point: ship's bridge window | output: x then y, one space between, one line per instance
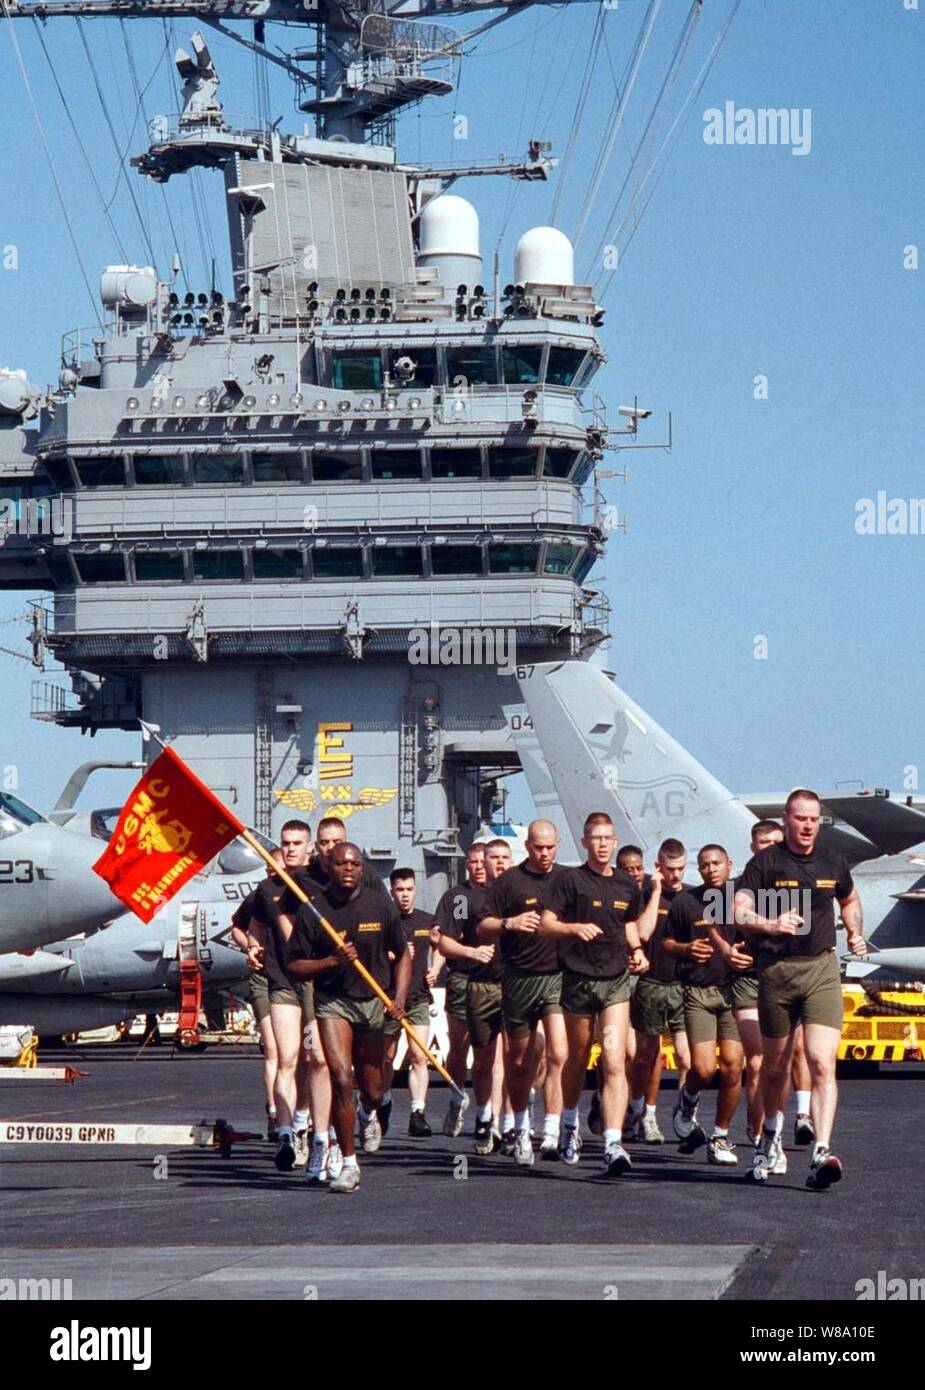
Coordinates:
455 463
217 468
356 371
558 463
521 365
104 568
512 463
59 567
425 367
218 564
159 470
563 365
471 366
397 464
101 472
560 558
456 559
276 468
394 561
158 566
518 558
336 468
337 562
277 563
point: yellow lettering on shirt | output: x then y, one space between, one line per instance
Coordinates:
825 882
786 883
369 926
622 906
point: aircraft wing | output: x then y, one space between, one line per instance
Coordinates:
888 826
604 753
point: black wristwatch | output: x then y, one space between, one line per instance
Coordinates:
504 924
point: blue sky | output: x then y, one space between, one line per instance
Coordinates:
749 261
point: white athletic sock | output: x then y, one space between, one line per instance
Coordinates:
611 1136
819 1149
300 1119
570 1117
387 1097
271 1111
364 1115
285 1130
332 1135
771 1126
351 1162
483 1112
650 1110
719 1133
507 1122
521 1119
637 1106
780 1120
417 1105
551 1126
802 1102
319 1141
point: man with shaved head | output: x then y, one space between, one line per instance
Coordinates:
531 983
786 904
351 1017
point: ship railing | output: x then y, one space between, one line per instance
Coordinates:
176 126
504 404
79 344
50 700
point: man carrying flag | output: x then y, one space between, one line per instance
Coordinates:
351 1018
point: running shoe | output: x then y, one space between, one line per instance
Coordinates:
719 1150
694 1141
335 1160
803 1131
631 1127
385 1116
371 1134
549 1148
616 1161
779 1166
496 1140
347 1180
651 1133
484 1137
284 1158
595 1118
570 1146
764 1158
508 1143
684 1115
523 1149
318 1162
418 1127
823 1171
300 1144
453 1119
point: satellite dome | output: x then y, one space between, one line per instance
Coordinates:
449 227
544 256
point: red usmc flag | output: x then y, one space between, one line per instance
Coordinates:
169 829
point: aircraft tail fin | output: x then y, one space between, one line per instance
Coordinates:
603 752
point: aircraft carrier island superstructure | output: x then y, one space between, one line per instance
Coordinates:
312 524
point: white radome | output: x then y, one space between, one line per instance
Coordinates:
449 227
544 256
127 286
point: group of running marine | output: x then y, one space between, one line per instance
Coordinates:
540 962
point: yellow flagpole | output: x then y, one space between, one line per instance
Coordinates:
360 967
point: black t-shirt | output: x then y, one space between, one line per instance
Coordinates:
690 917
609 901
810 884
521 890
371 923
318 876
272 899
241 916
457 914
661 966
416 925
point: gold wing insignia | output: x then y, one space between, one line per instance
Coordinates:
375 796
299 798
